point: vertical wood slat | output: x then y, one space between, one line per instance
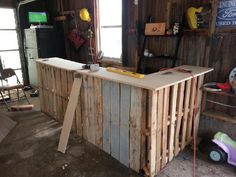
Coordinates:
85 107
179 115
106 85
125 96
135 127
173 101
165 126
143 150
191 108
115 120
159 129
186 112
199 93
91 117
152 115
98 111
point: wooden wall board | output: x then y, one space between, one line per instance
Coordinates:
160 106
98 111
115 120
180 109
186 112
152 115
173 103
106 91
125 97
165 126
135 127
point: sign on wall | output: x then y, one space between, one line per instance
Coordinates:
226 15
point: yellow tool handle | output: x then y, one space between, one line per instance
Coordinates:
124 72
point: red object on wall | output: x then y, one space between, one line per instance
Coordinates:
76 38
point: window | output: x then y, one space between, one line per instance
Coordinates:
110 16
9 47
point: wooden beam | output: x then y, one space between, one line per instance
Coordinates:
70 114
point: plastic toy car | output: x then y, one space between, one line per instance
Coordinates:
224 149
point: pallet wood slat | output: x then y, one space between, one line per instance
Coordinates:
159 129
115 120
173 103
135 127
144 129
179 115
98 111
125 98
106 85
165 126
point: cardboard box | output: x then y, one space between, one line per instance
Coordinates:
155 29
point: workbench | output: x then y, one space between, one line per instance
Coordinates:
143 123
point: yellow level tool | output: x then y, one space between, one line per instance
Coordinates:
124 72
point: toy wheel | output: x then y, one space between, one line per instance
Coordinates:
217 155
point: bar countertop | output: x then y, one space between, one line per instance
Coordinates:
155 81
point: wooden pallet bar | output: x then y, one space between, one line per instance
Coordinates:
143 123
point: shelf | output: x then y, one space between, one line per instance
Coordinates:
218 115
178 35
160 56
226 30
221 93
202 32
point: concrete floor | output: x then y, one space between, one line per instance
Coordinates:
30 151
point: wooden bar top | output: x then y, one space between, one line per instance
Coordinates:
155 81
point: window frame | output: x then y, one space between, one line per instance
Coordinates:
18 40
99 27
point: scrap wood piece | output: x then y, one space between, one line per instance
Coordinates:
22 107
70 113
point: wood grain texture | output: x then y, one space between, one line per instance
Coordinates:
70 113
152 118
98 105
125 97
165 126
159 129
106 92
135 127
173 103
115 120
180 109
186 112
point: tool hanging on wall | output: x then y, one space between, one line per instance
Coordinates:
198 17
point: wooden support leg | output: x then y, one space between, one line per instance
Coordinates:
70 114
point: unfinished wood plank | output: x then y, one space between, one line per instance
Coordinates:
186 111
91 109
135 127
193 98
106 94
173 101
199 100
159 129
70 113
115 120
152 116
98 111
165 126
85 107
144 126
179 115
125 96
